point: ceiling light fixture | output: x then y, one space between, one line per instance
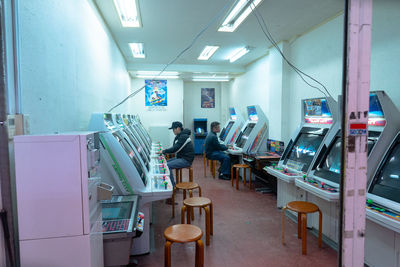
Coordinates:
238 53
238 14
137 50
157 77
207 52
128 12
210 80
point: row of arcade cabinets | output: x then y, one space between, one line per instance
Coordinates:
310 170
130 163
59 188
252 135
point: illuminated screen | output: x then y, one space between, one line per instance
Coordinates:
252 113
116 210
305 147
329 168
386 183
128 149
241 141
226 132
141 135
375 114
232 113
316 107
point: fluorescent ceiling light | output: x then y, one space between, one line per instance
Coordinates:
128 12
151 72
137 50
238 53
207 52
157 77
210 80
210 77
238 14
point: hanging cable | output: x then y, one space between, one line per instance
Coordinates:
268 35
227 4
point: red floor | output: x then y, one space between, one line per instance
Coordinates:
247 230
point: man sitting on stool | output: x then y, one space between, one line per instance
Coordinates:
214 151
182 147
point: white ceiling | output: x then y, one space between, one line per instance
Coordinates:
169 26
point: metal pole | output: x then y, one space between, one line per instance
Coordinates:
356 80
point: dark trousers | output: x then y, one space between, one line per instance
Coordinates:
224 159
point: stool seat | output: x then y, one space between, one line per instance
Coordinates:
187 185
302 206
241 166
197 201
183 233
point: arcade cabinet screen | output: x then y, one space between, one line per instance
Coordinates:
128 149
375 115
329 168
138 147
305 148
227 129
386 183
232 113
116 210
243 136
252 113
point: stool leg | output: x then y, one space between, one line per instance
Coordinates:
167 254
232 170
211 219
244 176
177 176
184 194
207 210
320 230
191 174
304 234
299 229
237 178
180 176
192 209
199 253
188 215
213 168
204 163
183 210
173 203
250 178
200 196
283 225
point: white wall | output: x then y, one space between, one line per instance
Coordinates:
192 104
166 115
70 65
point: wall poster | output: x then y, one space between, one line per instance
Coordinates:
208 97
155 93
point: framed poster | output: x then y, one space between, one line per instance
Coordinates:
208 97
155 93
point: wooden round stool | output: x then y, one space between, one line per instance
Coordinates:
179 176
183 233
236 168
200 202
190 186
302 208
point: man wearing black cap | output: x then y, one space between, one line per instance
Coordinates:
182 147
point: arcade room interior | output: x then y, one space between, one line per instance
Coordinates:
199 133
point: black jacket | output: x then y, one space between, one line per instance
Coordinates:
212 144
187 152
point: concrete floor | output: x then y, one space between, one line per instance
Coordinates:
247 230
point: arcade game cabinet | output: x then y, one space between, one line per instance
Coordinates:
231 130
200 134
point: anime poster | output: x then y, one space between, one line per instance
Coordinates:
155 93
208 97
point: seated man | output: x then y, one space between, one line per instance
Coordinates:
182 147
214 151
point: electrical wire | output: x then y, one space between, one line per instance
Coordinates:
267 34
227 4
